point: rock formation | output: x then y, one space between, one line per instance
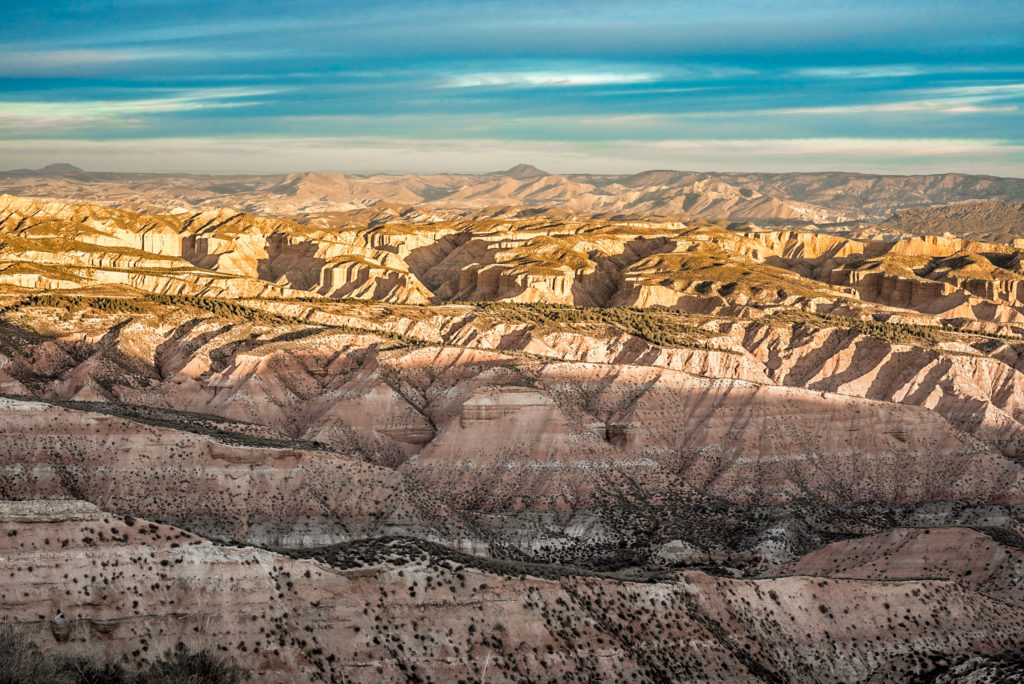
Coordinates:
509 443
693 265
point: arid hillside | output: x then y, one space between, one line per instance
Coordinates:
986 221
686 264
397 442
790 198
394 610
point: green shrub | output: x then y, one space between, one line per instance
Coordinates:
896 333
662 327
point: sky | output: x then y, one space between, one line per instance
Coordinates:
899 86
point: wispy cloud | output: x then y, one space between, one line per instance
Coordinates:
62 115
985 99
952 106
882 71
993 91
545 79
24 63
568 75
839 148
83 61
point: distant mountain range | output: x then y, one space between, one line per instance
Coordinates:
989 221
766 198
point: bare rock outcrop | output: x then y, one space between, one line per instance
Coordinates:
244 491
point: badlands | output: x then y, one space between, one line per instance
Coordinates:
517 426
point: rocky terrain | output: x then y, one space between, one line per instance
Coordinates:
430 440
89 581
685 264
979 220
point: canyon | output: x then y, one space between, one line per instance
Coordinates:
517 426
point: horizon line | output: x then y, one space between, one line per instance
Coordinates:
502 172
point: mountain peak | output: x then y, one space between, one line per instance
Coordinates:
523 171
60 168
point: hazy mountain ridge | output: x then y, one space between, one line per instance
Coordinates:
764 197
991 221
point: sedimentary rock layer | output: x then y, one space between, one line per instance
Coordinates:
83 581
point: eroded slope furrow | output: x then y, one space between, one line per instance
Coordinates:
537 456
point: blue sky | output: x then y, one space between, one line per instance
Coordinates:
904 86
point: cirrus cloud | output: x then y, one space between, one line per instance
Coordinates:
545 79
